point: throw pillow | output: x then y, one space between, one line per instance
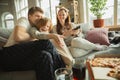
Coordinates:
98 36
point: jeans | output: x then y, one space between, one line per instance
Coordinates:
39 55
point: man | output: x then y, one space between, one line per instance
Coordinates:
21 53
20 32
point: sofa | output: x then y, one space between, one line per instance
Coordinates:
30 75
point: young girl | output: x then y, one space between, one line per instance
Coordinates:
44 26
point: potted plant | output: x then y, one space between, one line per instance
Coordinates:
98 8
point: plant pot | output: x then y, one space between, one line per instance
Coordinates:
98 23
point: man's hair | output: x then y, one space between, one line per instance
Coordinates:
42 22
32 10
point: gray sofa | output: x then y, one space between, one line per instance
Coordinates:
30 75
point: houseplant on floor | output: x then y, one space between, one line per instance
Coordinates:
98 8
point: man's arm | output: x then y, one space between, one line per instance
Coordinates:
21 34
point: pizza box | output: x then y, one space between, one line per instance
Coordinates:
100 73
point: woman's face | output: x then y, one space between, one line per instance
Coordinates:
62 15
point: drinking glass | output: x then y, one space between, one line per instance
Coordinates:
63 74
79 69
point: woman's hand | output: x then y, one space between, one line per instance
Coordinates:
67 33
76 32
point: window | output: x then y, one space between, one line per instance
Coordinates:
118 13
49 7
111 16
21 8
45 5
56 3
7 20
9 23
108 17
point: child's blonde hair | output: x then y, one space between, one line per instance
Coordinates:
42 22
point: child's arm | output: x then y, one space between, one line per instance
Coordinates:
37 34
44 35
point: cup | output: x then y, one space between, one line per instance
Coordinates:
79 69
63 74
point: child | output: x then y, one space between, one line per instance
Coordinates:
44 26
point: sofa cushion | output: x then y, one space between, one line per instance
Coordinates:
18 75
2 39
98 36
5 33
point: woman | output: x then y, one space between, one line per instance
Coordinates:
72 36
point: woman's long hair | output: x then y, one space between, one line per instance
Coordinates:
59 27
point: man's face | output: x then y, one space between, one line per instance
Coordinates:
34 17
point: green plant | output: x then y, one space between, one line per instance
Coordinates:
98 7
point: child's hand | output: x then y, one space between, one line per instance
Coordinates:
58 39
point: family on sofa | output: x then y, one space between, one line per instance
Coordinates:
20 53
74 39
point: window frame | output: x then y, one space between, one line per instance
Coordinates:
19 9
115 12
51 10
6 20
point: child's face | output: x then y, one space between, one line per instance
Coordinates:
45 28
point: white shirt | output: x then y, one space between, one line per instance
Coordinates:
22 22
